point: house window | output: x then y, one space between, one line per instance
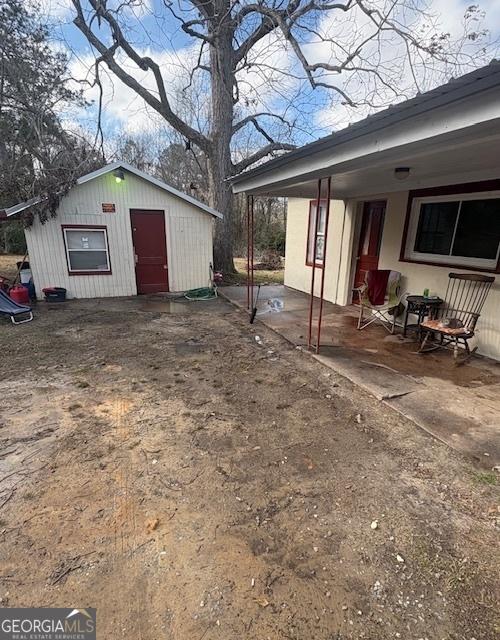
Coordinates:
87 250
320 243
457 230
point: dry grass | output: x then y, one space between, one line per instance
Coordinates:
8 267
260 276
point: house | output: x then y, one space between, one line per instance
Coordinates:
121 232
414 188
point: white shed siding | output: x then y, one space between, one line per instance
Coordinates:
188 230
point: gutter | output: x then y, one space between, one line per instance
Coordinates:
398 113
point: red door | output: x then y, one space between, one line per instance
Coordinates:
372 225
150 249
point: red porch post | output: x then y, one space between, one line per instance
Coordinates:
313 268
248 249
252 237
322 289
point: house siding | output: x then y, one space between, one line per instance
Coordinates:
417 277
344 234
188 230
338 250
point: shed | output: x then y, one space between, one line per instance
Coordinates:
121 232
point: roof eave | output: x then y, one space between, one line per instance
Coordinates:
151 179
21 206
458 90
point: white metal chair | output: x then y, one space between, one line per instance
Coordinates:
380 312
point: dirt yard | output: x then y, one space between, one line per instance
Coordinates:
161 463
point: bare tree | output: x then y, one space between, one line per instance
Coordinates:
39 157
237 39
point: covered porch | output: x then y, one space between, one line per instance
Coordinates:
414 189
458 405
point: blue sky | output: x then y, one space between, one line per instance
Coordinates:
153 31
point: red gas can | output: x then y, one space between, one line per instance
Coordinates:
20 294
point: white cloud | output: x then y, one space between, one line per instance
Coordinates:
53 8
267 78
390 59
61 9
275 80
125 111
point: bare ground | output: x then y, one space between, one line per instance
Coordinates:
190 482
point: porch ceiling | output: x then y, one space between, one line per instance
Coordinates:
450 158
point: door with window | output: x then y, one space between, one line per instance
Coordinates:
372 225
150 250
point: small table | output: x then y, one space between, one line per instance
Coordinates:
420 307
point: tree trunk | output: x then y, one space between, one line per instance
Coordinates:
219 156
221 199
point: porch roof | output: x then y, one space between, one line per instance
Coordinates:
445 136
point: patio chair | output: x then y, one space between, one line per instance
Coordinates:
381 304
455 321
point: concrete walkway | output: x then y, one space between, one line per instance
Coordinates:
458 405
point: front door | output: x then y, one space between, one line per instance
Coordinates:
150 250
370 237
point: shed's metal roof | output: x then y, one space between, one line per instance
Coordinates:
456 89
17 208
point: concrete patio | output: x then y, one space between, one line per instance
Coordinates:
458 405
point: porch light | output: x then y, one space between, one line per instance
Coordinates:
119 175
401 173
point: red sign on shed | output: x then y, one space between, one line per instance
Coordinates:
108 207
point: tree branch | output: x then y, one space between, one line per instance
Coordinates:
186 26
252 119
266 26
270 148
107 55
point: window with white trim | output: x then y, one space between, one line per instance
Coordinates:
461 230
320 243
87 250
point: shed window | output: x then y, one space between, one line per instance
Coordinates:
456 230
320 243
87 250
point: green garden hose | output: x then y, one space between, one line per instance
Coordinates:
203 293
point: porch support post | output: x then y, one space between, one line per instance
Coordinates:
252 238
313 268
322 289
248 249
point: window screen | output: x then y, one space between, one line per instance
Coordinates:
468 229
320 244
87 250
436 227
478 229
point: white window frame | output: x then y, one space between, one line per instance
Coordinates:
68 251
311 233
452 260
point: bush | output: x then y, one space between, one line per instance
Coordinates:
13 238
277 241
